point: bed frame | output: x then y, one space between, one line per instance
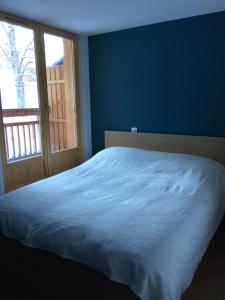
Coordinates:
210 147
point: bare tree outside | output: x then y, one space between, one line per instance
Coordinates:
19 58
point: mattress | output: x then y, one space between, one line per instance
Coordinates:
142 218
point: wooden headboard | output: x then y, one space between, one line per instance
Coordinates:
210 147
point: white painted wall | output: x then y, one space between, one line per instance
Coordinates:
85 97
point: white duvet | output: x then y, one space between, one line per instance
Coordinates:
141 218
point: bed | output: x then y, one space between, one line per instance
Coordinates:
129 223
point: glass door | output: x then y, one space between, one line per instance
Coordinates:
59 63
38 101
20 103
19 93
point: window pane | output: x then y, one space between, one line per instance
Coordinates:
60 82
19 93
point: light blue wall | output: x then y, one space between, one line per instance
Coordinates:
1 179
85 97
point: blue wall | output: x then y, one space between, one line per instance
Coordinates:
166 78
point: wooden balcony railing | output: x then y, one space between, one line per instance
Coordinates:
20 112
22 138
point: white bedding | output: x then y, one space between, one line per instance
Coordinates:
142 218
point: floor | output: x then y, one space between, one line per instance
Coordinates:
209 280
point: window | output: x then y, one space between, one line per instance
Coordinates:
39 120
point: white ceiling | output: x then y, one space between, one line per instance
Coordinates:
98 16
